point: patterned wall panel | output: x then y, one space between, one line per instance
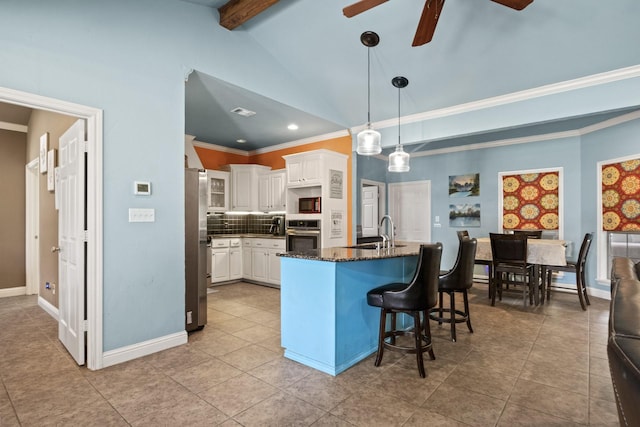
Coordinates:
530 201
620 194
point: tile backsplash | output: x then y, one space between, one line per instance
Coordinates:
238 224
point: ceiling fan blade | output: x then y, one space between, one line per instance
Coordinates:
361 6
428 21
514 4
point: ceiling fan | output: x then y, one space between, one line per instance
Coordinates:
430 14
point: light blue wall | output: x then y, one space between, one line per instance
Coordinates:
608 144
577 156
130 58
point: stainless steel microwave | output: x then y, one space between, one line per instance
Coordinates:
309 205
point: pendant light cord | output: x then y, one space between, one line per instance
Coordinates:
398 116
368 87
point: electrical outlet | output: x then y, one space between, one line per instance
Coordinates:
47 285
53 288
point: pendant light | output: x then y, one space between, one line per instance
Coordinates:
369 139
399 159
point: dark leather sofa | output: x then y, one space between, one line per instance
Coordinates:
623 347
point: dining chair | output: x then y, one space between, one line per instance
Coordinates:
462 234
484 262
509 254
531 234
414 298
577 267
457 280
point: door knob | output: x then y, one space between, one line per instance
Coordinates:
55 249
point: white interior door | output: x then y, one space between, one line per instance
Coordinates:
369 211
71 240
32 265
410 208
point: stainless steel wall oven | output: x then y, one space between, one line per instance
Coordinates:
303 235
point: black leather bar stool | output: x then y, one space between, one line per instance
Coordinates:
412 298
458 279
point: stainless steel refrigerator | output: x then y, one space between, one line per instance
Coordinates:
197 253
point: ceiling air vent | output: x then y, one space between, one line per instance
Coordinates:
243 112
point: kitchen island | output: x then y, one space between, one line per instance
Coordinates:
326 322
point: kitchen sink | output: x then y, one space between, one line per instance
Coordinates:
370 246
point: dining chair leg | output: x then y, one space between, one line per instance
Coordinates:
543 284
580 291
583 282
492 290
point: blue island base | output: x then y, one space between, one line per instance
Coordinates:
326 322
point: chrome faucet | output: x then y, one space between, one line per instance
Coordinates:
391 242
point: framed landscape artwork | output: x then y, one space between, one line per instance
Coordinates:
464 215
464 185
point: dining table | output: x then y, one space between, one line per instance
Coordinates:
539 252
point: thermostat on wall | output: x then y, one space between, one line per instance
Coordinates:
142 188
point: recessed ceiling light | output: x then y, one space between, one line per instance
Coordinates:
292 126
241 141
243 112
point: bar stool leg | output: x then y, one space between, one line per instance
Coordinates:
466 309
381 336
453 315
417 332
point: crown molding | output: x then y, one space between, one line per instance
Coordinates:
528 139
216 147
524 95
14 127
304 141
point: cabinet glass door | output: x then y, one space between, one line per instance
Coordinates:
217 191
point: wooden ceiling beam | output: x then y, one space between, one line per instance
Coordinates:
236 12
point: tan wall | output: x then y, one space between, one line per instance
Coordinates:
13 155
56 125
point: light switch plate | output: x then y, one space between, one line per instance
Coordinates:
142 215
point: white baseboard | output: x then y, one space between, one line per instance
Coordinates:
599 293
134 351
13 292
49 308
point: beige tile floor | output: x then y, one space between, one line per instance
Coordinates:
538 366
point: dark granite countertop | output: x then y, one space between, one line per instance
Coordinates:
252 235
340 254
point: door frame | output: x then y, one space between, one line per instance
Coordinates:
382 196
32 212
94 207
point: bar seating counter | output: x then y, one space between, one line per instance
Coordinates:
326 322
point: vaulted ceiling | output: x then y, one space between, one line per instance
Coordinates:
480 50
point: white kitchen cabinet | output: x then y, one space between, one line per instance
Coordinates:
272 191
274 266
235 260
244 186
247 265
260 262
217 191
303 169
226 260
219 265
